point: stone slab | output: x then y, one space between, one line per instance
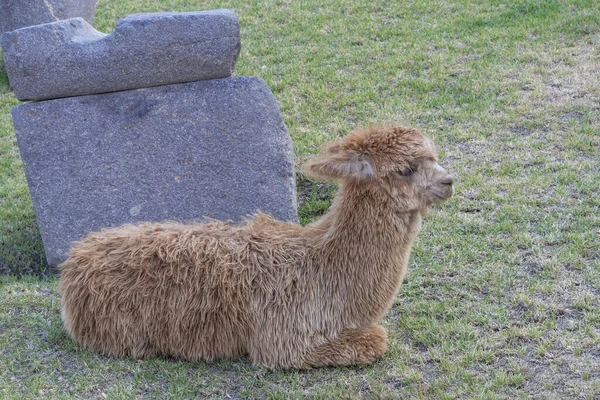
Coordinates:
181 152
15 14
70 58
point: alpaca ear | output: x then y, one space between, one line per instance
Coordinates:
340 164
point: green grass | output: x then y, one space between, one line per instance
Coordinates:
503 291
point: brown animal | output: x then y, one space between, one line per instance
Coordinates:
289 297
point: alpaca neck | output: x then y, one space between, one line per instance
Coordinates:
365 244
362 216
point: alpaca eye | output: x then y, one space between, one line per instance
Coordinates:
406 172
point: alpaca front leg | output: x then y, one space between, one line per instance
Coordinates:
353 346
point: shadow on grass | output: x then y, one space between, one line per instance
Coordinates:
314 198
4 85
21 250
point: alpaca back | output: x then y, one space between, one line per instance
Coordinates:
188 291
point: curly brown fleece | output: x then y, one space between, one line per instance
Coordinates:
287 296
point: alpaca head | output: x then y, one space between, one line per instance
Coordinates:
396 162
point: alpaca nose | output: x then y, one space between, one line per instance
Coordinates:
447 180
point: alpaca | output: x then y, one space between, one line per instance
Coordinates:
286 296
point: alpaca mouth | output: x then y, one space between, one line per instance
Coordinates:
442 196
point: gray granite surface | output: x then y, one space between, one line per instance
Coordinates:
15 14
70 58
216 148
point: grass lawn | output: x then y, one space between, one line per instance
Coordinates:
502 297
